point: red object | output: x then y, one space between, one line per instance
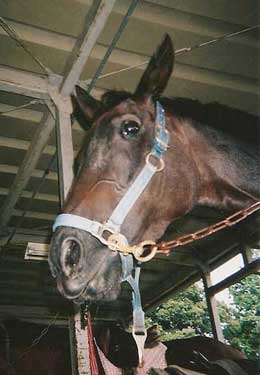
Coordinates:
92 353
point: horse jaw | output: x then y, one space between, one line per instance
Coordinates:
92 274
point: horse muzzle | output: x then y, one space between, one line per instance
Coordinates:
83 267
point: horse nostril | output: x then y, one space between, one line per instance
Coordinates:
71 253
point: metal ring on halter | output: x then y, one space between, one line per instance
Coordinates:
139 249
117 242
161 165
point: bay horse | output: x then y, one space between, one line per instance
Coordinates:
202 164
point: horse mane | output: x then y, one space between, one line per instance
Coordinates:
238 124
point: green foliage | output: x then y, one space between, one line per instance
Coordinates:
243 328
183 316
186 315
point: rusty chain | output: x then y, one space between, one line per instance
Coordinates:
165 247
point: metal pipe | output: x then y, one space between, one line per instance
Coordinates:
113 44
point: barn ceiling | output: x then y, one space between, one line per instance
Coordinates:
226 72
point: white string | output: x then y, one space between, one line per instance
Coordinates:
34 101
38 338
180 51
13 34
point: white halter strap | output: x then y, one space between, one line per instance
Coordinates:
114 222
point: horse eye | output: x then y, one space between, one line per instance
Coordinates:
129 128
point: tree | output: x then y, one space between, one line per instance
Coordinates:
242 328
186 315
183 316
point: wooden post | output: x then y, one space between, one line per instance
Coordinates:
247 255
212 308
78 336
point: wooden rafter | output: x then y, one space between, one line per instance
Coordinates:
95 21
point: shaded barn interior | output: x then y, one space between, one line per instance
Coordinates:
226 72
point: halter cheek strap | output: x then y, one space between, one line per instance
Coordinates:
113 224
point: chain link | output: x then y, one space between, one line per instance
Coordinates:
165 247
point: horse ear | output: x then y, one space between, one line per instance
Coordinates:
158 71
85 107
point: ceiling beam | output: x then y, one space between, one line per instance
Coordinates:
23 83
96 20
249 269
172 19
24 235
30 115
125 58
38 196
29 84
28 164
12 111
20 144
35 215
37 173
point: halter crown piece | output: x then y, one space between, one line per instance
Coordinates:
117 241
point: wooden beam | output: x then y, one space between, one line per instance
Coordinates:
30 115
247 254
153 11
65 152
19 144
23 83
96 19
25 235
252 267
172 19
38 196
32 313
212 308
7 110
37 173
95 22
127 58
35 215
28 164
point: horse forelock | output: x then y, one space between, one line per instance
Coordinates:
112 98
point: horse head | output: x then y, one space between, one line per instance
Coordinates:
117 192
113 153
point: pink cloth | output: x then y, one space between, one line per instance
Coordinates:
108 367
153 357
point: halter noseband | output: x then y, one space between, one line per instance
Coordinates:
113 224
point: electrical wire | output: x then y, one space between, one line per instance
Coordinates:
182 51
13 34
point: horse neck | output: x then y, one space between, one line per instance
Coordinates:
227 172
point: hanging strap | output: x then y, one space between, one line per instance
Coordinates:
138 331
